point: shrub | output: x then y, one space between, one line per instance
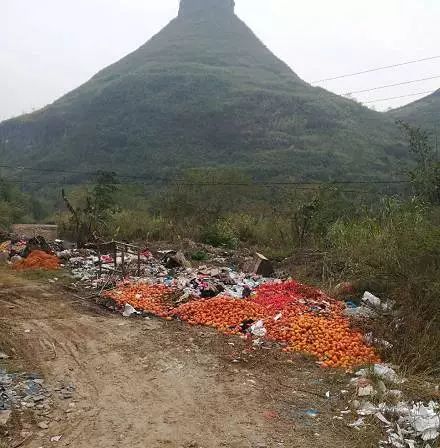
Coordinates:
398 251
135 225
221 234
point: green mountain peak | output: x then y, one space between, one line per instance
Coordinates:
210 8
205 92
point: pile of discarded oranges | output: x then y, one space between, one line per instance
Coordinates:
154 299
223 313
329 338
303 319
38 260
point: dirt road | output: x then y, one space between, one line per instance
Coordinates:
152 383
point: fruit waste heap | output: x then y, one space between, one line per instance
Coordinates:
38 260
300 317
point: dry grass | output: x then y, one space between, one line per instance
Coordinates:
367 437
9 277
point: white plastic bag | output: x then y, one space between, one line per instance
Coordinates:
258 329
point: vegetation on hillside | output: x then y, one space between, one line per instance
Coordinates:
204 93
424 112
17 206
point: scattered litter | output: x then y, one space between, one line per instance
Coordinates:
382 418
382 371
56 438
425 420
258 329
357 424
129 311
371 299
312 413
366 391
406 424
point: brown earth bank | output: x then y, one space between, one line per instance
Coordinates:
154 383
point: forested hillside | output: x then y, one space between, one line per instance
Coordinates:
205 92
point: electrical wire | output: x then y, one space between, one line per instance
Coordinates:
186 183
295 186
398 97
386 67
391 85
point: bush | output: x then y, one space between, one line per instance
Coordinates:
397 251
221 234
135 225
199 256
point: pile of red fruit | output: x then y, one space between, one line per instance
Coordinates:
300 317
294 296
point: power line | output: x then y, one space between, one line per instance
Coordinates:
392 85
306 185
398 97
296 187
186 183
60 171
376 69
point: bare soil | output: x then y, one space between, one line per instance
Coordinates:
154 383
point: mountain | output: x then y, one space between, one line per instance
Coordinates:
424 112
205 92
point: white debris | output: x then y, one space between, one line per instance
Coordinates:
367 408
375 302
258 329
371 299
366 391
382 418
357 424
383 371
408 425
425 420
129 311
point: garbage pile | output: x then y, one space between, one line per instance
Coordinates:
370 306
296 316
32 253
170 268
407 424
21 392
299 317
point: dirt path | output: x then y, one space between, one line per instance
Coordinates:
152 383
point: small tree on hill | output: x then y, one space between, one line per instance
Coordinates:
90 221
426 175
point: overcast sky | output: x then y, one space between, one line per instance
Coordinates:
49 47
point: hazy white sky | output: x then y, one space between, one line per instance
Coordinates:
49 47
